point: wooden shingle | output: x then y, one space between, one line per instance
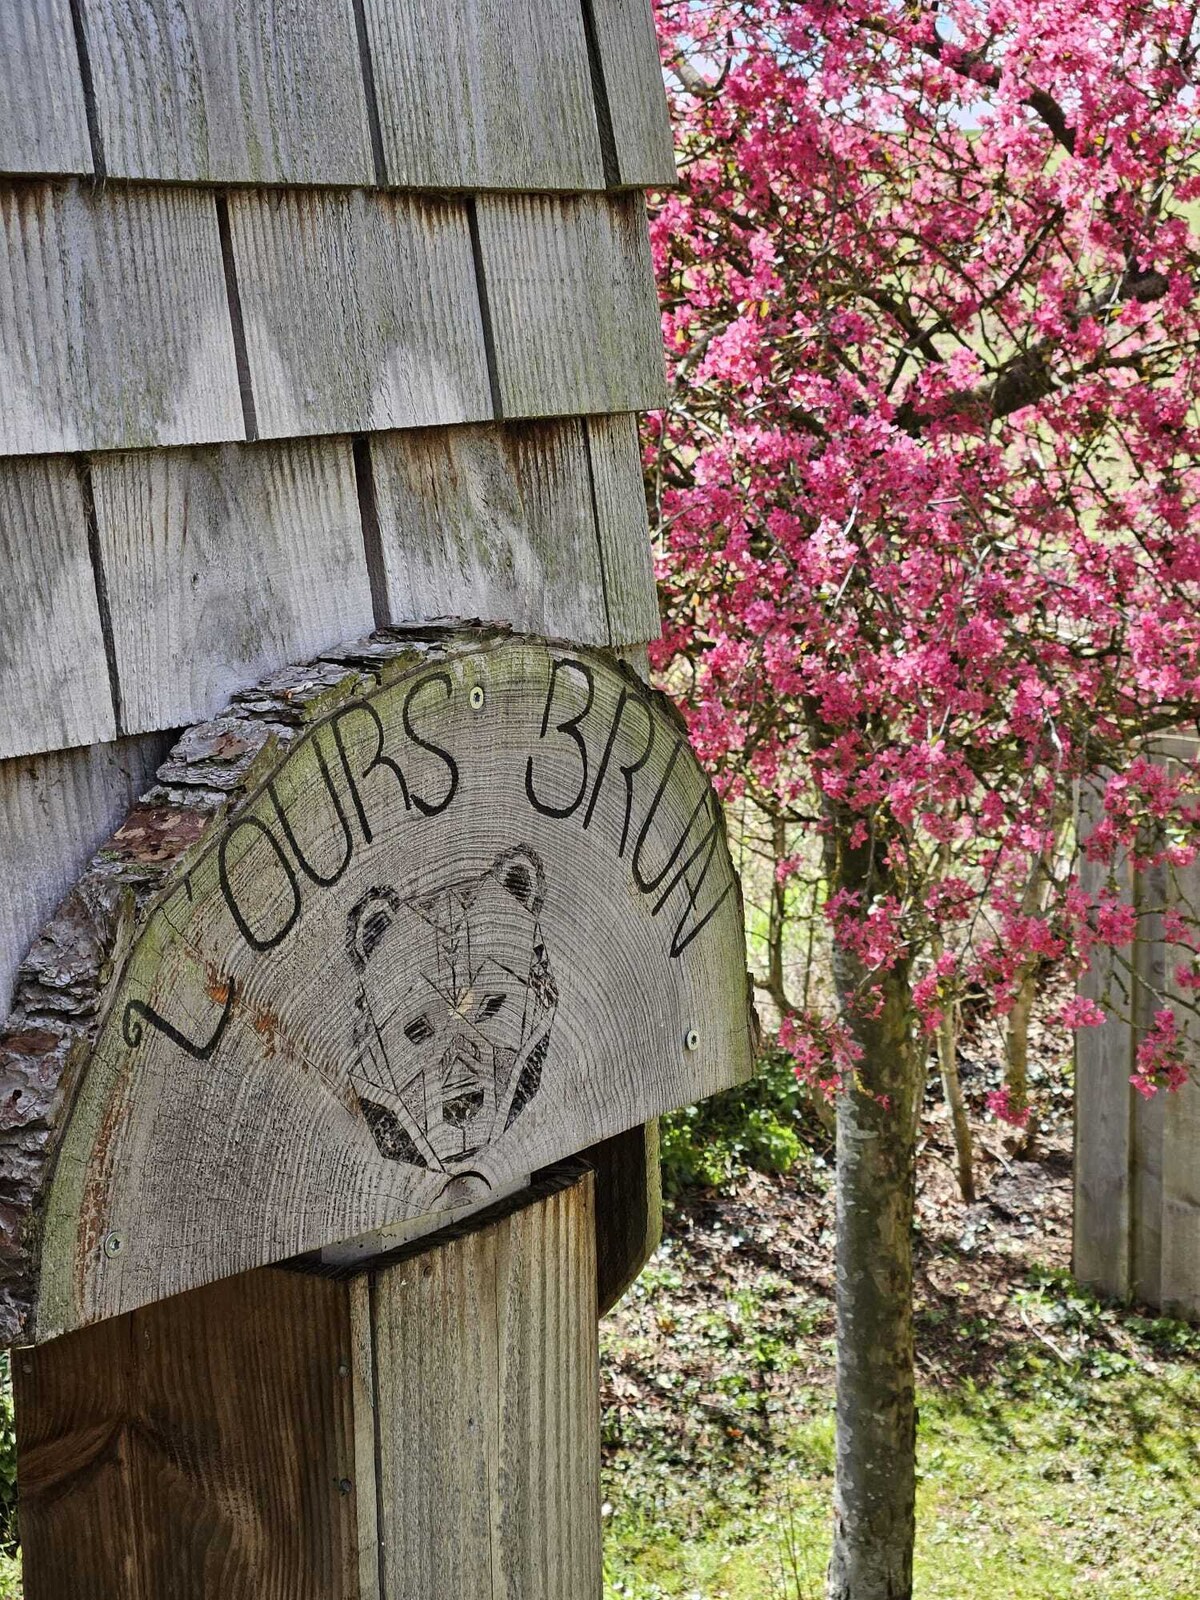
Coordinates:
574 314
55 810
494 523
235 91
223 564
632 85
484 94
623 529
43 123
361 311
114 325
54 687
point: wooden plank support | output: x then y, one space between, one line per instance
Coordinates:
487 1376
574 313
201 1447
629 1214
631 82
493 522
236 92
484 94
361 311
621 520
54 683
219 563
43 122
114 324
427 1428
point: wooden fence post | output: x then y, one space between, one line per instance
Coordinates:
1137 1196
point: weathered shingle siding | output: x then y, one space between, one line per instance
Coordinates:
352 331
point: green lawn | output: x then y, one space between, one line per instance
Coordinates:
1054 1479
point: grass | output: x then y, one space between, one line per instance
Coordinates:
1068 1473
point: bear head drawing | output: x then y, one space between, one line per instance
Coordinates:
454 1012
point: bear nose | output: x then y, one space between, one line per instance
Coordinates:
461 1064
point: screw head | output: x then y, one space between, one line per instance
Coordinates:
691 1040
114 1243
477 697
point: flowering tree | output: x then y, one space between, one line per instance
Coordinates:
927 497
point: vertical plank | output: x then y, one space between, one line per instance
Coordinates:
238 92
574 313
484 94
1147 1116
487 1384
631 74
1103 1125
361 311
621 521
492 522
224 564
366 1483
199 1447
1180 1241
43 123
547 1483
53 669
114 325
73 1400
628 1208
55 810
435 1372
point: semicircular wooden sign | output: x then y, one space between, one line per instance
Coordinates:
457 925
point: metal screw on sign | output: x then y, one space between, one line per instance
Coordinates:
477 697
114 1243
692 1040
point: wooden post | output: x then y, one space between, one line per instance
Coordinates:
332 993
423 1429
399 925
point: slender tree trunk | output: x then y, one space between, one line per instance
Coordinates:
947 1047
1016 1033
947 1051
874 1493
1016 1052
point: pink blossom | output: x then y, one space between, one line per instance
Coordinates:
921 581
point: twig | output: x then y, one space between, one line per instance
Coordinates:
1042 1339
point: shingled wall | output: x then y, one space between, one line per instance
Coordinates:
313 318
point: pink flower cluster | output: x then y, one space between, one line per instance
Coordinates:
929 483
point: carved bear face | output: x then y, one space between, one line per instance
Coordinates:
457 998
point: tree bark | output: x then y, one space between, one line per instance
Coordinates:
1016 1053
947 1047
874 1496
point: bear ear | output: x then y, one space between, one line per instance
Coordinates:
368 923
521 872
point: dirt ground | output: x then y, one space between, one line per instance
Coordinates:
743 1284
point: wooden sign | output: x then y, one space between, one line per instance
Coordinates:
466 924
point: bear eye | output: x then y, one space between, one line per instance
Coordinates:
518 882
492 1007
418 1030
